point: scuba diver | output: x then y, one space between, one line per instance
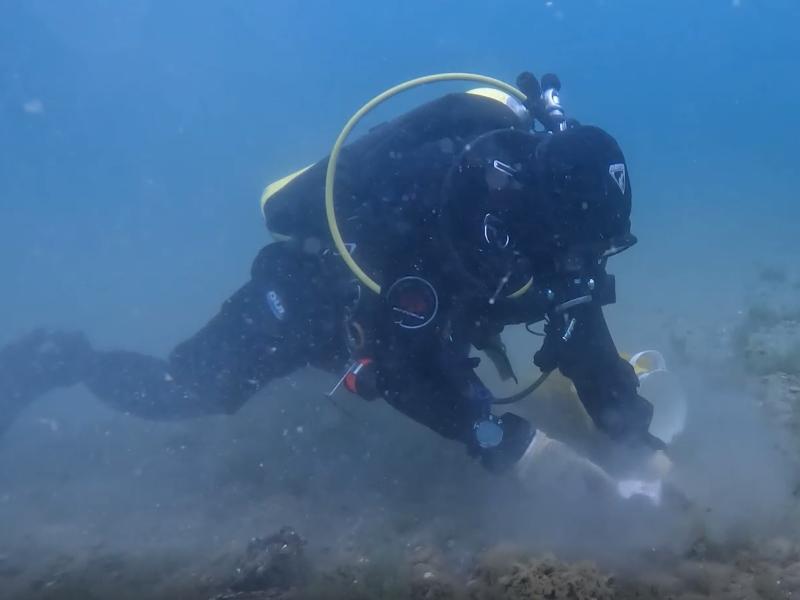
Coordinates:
472 212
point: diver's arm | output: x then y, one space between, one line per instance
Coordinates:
436 385
606 383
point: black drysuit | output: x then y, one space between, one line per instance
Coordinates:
294 309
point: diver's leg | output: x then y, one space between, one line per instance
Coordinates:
274 324
37 363
215 371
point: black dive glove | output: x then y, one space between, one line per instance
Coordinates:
605 382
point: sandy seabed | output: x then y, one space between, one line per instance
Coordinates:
297 498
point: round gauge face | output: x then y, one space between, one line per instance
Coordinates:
413 302
488 433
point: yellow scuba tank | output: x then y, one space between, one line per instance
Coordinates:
301 205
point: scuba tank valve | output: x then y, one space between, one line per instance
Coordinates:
551 102
543 101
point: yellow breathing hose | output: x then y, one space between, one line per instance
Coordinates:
330 177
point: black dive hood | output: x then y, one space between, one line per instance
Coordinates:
585 186
538 204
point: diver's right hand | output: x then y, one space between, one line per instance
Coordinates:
37 363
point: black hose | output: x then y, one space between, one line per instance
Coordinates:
522 394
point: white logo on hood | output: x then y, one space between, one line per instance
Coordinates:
617 172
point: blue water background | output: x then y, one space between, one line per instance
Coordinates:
135 137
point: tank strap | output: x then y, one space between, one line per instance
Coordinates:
276 186
517 107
